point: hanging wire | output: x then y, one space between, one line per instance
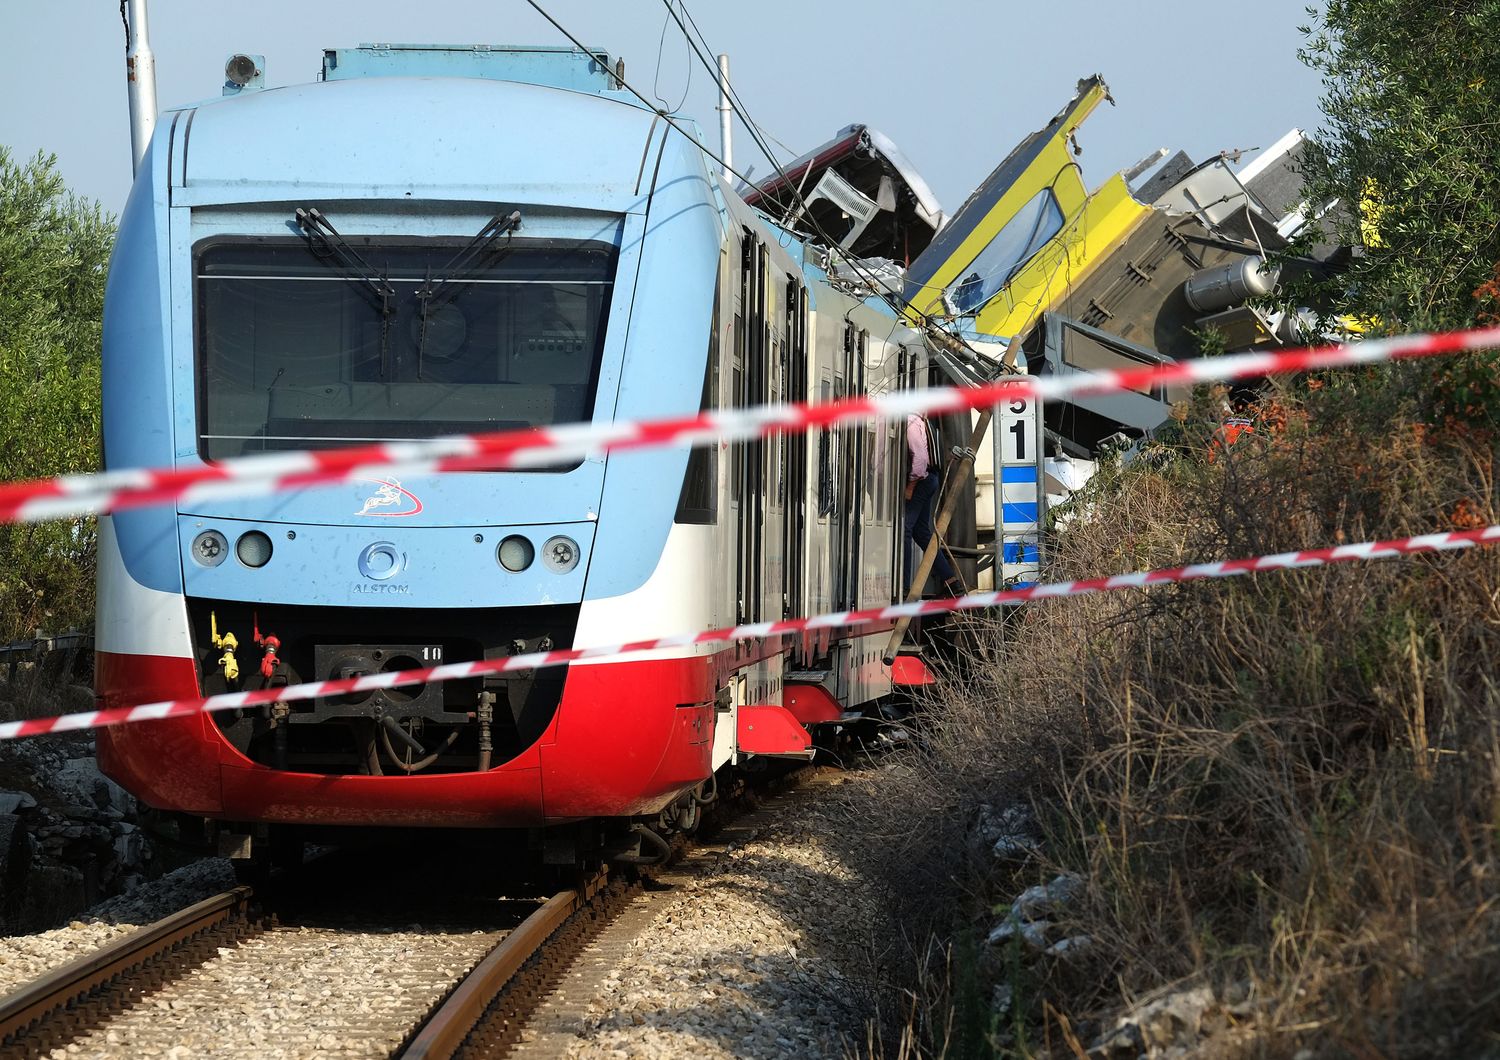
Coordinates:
656 79
874 283
876 287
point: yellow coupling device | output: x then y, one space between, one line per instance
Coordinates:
229 644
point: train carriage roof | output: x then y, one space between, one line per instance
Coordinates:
432 137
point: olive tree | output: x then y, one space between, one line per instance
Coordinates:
54 251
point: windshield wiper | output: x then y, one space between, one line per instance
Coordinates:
433 296
319 231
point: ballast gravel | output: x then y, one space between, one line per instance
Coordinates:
295 993
766 954
24 958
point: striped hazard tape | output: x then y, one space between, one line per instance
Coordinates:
77 495
1320 557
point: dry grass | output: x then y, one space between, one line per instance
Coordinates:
1290 782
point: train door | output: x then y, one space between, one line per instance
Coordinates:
904 359
826 542
749 460
794 454
862 456
759 451
834 486
852 492
773 530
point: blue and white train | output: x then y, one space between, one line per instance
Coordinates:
434 241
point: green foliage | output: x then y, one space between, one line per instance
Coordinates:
1411 90
1211 341
1408 149
54 250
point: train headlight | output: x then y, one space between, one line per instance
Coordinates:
253 548
560 554
241 70
515 553
210 548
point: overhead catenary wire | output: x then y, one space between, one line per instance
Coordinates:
876 288
743 116
739 107
800 204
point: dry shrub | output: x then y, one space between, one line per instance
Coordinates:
1289 782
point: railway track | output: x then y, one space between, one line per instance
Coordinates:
225 978
487 1014
484 1015
171 983
84 993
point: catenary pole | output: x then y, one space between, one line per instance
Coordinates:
726 116
140 80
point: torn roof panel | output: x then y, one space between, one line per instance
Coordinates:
986 210
908 214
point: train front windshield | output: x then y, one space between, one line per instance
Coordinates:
297 350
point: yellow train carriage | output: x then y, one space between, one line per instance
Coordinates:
1027 234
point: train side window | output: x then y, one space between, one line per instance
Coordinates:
698 503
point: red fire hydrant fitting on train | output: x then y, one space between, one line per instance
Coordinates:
268 660
271 643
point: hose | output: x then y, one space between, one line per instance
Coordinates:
711 786
369 751
421 763
664 849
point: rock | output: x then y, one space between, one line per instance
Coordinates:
1009 833
15 801
1070 948
130 849
79 811
1016 844
1032 932
1032 903
1168 1022
80 781
1047 898
1007 829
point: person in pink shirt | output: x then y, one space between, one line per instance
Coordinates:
922 483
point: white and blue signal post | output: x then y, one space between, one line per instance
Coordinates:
1020 494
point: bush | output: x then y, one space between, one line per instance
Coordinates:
54 250
1287 784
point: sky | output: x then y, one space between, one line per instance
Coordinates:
955 83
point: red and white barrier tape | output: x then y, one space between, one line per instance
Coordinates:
1369 550
76 495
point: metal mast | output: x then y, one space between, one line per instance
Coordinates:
726 114
140 77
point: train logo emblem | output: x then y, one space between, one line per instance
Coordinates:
381 561
390 494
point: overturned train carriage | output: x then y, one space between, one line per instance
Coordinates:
395 252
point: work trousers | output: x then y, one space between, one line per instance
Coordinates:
919 526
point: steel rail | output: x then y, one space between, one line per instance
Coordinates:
62 987
445 1030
